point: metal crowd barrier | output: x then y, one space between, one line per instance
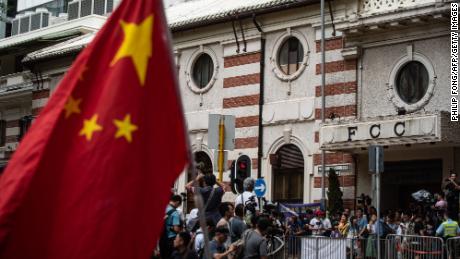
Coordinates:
393 247
453 248
275 247
417 247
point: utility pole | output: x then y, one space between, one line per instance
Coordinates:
323 105
221 148
377 185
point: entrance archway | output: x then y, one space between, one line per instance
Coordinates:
288 174
202 160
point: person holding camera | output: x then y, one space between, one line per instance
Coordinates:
212 197
248 195
452 192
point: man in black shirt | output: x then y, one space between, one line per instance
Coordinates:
452 191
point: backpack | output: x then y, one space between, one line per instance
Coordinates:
164 240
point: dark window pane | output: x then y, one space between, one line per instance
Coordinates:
203 70
412 82
290 56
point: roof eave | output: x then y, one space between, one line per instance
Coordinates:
243 15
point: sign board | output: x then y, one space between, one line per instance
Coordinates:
213 131
216 161
419 129
375 159
260 187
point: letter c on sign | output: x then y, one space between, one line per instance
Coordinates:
400 128
351 132
374 133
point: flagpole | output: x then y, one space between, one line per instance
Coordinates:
197 197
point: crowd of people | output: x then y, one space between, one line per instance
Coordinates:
234 229
239 230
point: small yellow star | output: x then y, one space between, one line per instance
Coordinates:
89 127
137 44
71 106
125 128
82 71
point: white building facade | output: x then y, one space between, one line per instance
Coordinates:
387 83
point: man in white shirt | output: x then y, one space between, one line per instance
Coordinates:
319 225
248 194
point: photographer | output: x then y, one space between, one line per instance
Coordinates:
452 191
248 199
248 194
212 197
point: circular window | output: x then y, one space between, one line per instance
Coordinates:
203 70
290 56
412 82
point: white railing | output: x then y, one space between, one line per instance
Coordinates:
383 6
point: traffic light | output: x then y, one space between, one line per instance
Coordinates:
240 170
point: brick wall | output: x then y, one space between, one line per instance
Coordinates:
242 80
241 60
336 89
330 44
248 121
241 101
341 111
337 66
333 158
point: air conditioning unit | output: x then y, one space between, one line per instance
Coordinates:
30 21
82 8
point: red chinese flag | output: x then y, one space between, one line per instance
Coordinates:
93 176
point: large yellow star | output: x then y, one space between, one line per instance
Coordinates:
89 127
125 128
137 44
71 106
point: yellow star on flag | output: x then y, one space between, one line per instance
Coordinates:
71 106
137 44
89 127
125 128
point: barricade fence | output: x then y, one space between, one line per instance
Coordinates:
392 247
453 248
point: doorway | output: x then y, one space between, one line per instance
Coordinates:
402 178
288 174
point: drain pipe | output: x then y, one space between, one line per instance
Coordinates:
261 97
323 105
